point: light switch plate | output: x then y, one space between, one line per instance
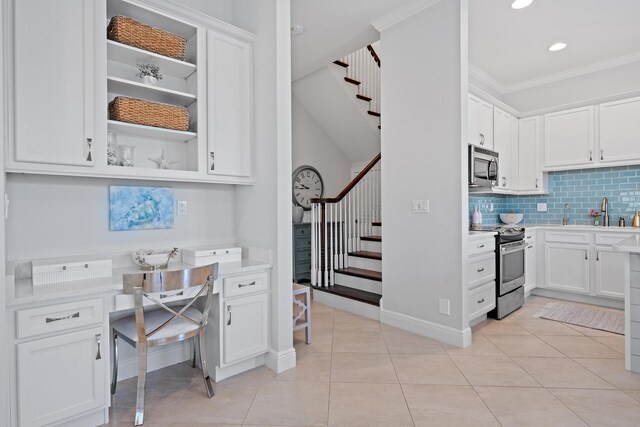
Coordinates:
182 207
542 207
420 206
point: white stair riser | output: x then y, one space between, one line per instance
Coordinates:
370 246
346 304
366 263
376 230
359 283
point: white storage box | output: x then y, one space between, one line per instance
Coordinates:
206 255
44 274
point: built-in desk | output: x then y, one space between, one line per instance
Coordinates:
60 339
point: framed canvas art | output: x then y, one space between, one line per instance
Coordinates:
140 208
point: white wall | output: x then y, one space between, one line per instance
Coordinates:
4 348
57 216
424 89
312 146
264 210
221 9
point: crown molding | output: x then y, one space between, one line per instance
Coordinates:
486 79
402 13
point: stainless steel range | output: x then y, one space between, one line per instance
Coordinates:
510 275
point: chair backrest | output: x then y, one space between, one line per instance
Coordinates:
145 284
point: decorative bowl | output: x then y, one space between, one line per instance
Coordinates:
151 259
511 218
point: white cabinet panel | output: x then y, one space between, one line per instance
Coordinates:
529 144
530 264
569 137
245 328
229 106
54 81
480 122
60 377
506 144
567 267
620 131
610 272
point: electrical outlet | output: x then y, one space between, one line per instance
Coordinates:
182 207
542 207
445 306
420 206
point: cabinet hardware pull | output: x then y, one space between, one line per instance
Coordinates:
481 301
528 237
481 139
213 160
537 179
591 155
480 246
169 295
89 141
98 339
586 256
229 310
602 154
57 319
530 246
243 285
598 256
77 267
480 270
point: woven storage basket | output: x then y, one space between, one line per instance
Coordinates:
133 33
141 112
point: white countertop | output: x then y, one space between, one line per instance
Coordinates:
479 235
630 244
601 229
22 291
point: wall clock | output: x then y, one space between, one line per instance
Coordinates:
307 184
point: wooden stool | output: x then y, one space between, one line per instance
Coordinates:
305 310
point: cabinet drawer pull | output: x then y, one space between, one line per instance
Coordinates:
480 270
591 155
481 139
602 154
98 340
57 319
243 285
528 237
169 295
530 246
480 246
537 179
77 267
481 301
229 310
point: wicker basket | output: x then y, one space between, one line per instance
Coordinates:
141 112
133 33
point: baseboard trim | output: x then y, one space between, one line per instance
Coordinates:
346 304
584 299
445 334
281 361
220 374
161 358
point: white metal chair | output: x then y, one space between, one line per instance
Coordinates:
164 326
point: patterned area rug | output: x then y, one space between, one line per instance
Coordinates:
594 318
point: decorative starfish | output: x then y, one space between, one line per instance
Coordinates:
162 162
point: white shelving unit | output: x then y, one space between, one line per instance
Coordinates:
122 53
149 92
149 131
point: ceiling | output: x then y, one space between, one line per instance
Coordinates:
509 45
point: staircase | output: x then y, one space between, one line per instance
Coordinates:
346 245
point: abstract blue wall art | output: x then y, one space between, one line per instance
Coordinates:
140 208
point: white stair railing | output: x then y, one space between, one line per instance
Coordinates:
337 224
364 66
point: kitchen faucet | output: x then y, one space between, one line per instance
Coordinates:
565 219
604 208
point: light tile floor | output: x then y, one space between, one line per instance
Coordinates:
519 371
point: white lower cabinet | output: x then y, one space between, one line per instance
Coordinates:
530 264
567 267
481 276
609 272
60 377
245 330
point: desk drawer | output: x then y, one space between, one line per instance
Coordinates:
60 317
126 301
244 285
303 242
482 269
481 300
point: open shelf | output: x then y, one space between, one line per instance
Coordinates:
149 131
117 85
132 55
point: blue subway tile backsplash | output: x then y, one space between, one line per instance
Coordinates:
582 189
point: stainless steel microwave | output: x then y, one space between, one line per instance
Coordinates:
483 168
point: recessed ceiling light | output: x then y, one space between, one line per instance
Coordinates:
521 4
296 30
557 46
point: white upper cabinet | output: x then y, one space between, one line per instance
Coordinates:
480 122
569 138
229 106
54 81
529 141
619 131
505 128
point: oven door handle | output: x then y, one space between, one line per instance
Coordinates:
507 249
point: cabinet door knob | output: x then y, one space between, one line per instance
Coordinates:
229 310
98 340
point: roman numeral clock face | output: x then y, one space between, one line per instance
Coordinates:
307 185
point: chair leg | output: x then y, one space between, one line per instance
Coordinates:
307 330
114 349
193 352
142 381
203 364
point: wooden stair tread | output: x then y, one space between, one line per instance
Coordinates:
364 98
352 81
351 293
366 254
376 224
340 63
373 113
361 272
372 238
